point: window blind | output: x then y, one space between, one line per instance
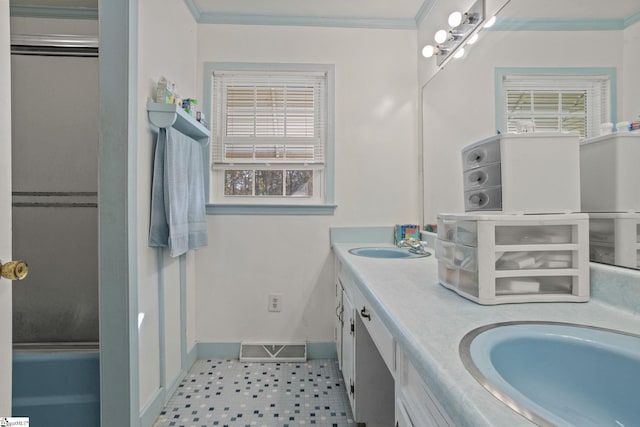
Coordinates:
265 118
557 103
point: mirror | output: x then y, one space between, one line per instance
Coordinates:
460 103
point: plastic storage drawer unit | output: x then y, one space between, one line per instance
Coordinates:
523 173
496 259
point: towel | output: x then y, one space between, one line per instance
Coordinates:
178 217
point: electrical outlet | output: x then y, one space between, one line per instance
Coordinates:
275 302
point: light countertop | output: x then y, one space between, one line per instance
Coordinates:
428 321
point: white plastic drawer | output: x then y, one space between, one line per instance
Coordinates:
481 154
534 285
458 256
523 260
463 232
487 199
534 234
482 177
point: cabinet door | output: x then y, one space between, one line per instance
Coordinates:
348 348
339 321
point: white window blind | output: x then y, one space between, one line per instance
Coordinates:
557 103
268 118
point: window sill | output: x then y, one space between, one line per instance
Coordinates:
246 209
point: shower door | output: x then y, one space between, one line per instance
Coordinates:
55 180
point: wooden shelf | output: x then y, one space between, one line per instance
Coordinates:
169 115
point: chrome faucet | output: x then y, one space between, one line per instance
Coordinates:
415 246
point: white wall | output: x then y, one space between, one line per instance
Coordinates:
631 71
376 182
167 47
459 102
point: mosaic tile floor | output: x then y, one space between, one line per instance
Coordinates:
233 393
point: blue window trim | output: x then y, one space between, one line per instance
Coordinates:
551 71
326 208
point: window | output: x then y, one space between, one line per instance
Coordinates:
271 140
557 103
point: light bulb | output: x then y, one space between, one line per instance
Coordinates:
440 36
455 19
459 53
490 22
473 39
428 51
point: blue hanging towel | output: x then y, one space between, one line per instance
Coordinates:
178 217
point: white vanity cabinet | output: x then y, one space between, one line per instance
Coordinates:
495 259
416 404
366 351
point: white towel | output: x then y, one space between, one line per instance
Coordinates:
178 217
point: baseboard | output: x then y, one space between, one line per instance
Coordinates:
150 413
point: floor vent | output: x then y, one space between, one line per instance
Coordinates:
292 352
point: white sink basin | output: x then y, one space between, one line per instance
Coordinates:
558 374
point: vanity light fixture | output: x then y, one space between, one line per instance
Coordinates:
463 30
490 22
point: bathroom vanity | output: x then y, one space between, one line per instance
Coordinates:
398 332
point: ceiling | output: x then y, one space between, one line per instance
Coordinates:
391 13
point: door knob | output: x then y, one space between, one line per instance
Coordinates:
14 270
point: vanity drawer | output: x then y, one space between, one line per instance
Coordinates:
487 199
380 335
481 153
482 177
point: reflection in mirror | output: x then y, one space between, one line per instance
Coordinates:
572 38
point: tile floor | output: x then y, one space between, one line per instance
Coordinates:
231 393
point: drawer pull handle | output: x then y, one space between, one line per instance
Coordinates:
365 314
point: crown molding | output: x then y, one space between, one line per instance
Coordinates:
306 21
56 12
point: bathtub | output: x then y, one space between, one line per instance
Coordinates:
57 384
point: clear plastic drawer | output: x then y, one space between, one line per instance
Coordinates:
465 281
534 260
463 232
481 154
482 177
534 285
457 256
534 234
487 199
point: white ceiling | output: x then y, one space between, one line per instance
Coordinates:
571 9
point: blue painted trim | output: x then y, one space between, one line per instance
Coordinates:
500 72
149 414
542 24
424 10
233 209
192 356
630 20
361 235
175 384
307 21
315 350
183 312
328 208
195 12
56 12
119 356
322 350
218 350
162 350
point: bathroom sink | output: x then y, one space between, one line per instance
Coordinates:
558 373
377 252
